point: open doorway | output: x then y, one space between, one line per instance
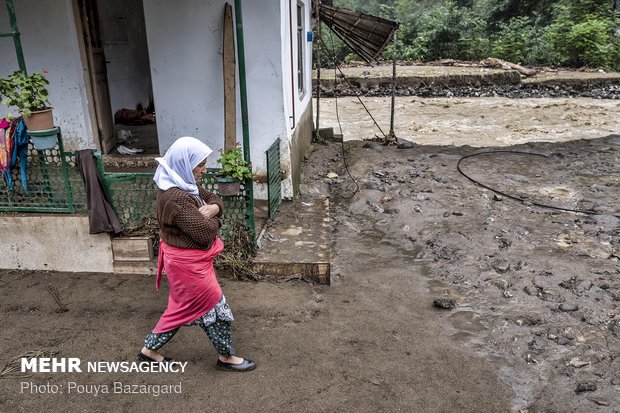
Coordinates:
116 52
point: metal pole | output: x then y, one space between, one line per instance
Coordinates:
392 135
317 136
15 33
249 188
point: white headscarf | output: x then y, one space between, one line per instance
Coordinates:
176 167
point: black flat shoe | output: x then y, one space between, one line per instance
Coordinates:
245 365
144 357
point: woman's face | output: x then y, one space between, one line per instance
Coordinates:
200 170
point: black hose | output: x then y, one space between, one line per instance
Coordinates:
516 198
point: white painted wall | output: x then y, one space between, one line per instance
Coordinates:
124 39
184 41
301 101
185 47
295 103
49 41
185 50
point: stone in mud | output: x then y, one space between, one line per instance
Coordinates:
374 186
501 266
530 290
553 333
405 144
567 307
563 341
528 320
585 386
537 344
444 303
577 363
374 206
371 145
570 334
583 286
391 211
501 284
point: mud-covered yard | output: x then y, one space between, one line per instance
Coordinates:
532 292
531 285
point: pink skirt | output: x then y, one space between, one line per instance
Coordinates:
194 289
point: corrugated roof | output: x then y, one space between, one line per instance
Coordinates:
365 34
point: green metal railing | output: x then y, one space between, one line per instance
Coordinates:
14 33
274 178
133 197
51 183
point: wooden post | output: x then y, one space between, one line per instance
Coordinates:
230 92
392 135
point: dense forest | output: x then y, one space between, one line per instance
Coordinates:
568 33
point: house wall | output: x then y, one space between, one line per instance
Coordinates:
49 41
191 55
185 45
124 39
192 104
298 105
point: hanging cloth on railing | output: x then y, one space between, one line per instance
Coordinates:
6 146
101 216
14 146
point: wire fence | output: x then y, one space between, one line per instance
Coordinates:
50 182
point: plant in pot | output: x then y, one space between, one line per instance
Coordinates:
29 95
234 171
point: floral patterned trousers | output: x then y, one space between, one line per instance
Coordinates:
216 324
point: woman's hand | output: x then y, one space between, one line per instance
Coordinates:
209 210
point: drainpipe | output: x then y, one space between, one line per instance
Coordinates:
249 187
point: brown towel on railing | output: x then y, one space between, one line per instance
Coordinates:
101 216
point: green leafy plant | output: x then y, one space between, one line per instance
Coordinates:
233 164
28 93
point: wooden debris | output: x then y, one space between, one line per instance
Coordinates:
499 63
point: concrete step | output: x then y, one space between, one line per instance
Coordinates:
133 255
297 241
135 267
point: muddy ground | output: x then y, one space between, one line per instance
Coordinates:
533 324
535 290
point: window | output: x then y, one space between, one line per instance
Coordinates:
300 48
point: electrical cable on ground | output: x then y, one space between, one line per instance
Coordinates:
344 158
516 198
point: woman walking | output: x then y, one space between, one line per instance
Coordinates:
188 225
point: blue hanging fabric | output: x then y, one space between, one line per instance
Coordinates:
16 138
21 150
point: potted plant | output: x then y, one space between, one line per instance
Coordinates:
28 93
234 171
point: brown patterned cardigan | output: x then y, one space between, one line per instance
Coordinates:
181 225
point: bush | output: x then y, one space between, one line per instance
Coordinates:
589 43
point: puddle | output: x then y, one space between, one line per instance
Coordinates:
468 321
